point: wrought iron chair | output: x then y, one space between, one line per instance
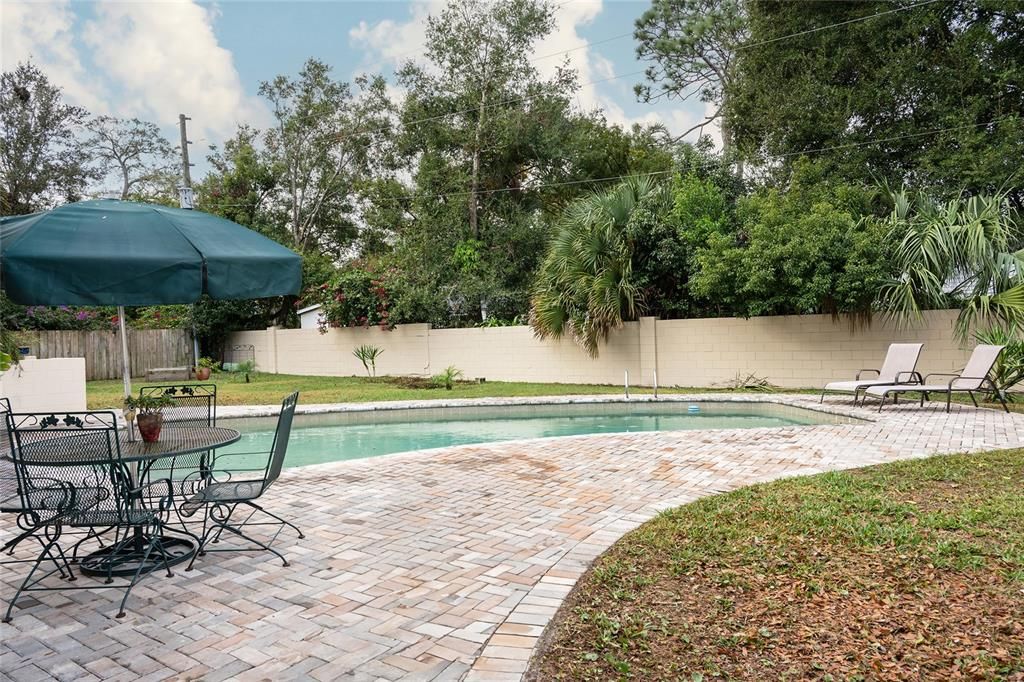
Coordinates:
10 494
228 489
70 474
194 405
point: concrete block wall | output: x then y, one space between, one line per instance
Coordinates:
795 351
54 384
790 351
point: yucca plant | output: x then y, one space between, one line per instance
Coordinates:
368 355
964 253
585 285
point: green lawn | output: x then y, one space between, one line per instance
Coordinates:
912 570
269 389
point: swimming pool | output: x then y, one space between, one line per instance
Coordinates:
337 436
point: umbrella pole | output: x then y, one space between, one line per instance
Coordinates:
126 367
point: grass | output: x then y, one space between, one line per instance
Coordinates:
269 389
912 570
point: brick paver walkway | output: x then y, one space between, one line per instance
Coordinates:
443 565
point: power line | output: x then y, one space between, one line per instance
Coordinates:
519 100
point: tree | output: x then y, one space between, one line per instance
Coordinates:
869 97
41 159
692 46
480 129
585 286
242 185
327 138
807 248
965 253
134 151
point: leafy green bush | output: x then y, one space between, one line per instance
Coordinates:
808 249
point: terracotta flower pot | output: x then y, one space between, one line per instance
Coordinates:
149 426
202 373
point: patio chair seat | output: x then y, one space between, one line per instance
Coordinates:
853 385
228 491
131 517
56 500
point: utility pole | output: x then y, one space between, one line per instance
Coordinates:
187 200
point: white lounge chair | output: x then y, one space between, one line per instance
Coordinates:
898 367
973 378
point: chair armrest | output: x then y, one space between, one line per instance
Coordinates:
941 374
914 376
958 377
165 500
861 371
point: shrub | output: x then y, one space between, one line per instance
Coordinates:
368 355
356 297
448 377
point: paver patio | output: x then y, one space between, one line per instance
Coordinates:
443 565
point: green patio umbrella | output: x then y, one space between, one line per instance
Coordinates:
122 253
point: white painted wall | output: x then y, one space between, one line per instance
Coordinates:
53 385
795 351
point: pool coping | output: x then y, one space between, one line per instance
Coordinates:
797 400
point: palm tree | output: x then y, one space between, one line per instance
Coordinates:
585 283
963 253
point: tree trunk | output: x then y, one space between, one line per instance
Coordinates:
474 182
727 143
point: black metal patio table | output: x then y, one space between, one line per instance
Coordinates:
140 456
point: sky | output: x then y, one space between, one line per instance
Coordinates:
156 59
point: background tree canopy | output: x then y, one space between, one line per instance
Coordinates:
872 91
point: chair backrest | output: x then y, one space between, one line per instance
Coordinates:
281 435
5 434
900 358
80 449
193 403
8 478
982 359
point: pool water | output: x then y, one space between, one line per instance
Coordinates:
341 436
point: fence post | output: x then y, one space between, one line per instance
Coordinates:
272 350
648 350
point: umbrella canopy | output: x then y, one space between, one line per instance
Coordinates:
108 252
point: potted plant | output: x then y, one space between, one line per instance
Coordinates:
147 411
206 365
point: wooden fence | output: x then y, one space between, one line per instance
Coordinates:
148 348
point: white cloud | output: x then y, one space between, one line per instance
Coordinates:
152 60
42 33
390 43
166 59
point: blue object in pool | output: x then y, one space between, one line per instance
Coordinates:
693 409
